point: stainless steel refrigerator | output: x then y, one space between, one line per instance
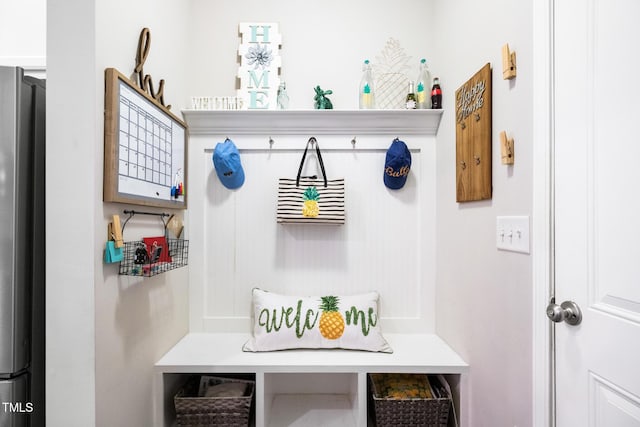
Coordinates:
22 248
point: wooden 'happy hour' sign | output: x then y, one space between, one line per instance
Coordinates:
473 138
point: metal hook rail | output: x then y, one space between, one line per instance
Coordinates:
133 213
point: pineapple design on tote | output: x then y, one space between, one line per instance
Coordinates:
331 321
310 207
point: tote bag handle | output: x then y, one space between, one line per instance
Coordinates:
312 140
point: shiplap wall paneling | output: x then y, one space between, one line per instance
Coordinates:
385 245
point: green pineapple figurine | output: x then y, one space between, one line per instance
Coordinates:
322 102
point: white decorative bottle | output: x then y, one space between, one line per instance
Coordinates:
423 86
283 97
367 97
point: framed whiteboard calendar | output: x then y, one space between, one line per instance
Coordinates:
144 148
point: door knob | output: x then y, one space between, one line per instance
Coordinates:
568 311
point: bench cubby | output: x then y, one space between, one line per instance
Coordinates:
304 387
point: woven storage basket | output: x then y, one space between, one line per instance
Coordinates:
192 410
395 412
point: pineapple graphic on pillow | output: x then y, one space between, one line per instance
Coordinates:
331 321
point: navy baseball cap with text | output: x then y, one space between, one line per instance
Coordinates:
397 165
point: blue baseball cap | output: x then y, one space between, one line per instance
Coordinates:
226 160
397 165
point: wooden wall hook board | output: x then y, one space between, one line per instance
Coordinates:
506 149
474 138
508 63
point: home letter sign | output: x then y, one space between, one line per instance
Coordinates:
260 62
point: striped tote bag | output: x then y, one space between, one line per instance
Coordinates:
311 199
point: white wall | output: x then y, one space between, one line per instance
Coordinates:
72 115
484 296
137 320
105 331
323 43
386 243
23 27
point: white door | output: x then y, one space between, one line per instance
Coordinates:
597 206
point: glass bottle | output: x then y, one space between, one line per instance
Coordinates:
423 83
367 96
410 102
283 97
436 94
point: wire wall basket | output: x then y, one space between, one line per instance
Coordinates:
151 256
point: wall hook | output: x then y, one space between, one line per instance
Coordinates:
132 213
463 165
353 142
114 231
477 159
508 63
506 149
271 141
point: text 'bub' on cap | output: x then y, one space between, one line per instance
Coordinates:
397 165
226 161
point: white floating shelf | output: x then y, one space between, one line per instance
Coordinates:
316 122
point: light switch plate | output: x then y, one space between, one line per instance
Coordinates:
512 233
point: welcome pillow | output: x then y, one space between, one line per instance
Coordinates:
286 322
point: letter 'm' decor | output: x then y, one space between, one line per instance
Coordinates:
260 62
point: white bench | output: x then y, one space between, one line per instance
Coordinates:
304 387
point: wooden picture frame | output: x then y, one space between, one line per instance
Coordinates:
145 148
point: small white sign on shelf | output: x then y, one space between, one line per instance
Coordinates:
260 63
